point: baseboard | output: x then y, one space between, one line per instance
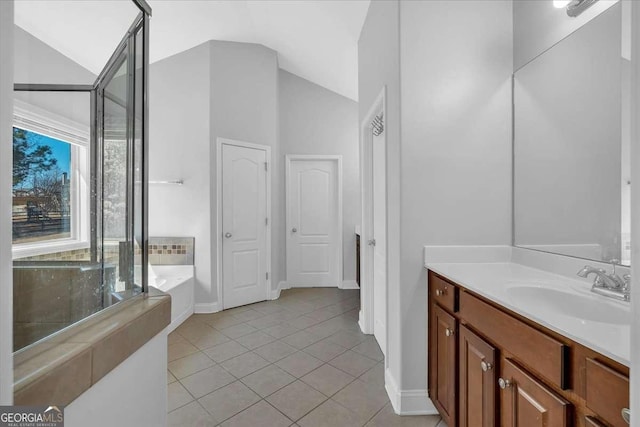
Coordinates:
179 319
275 293
407 402
361 322
205 308
349 284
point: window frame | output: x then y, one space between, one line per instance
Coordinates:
35 119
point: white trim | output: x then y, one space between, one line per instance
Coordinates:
287 174
349 284
218 229
35 119
207 308
275 293
366 188
408 402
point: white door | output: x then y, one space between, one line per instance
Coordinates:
379 192
314 222
244 226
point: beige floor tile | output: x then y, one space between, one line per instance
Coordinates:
281 330
374 375
180 349
193 329
255 340
244 364
264 322
175 337
267 307
347 339
178 396
325 350
327 379
369 348
259 415
268 380
206 381
222 352
387 418
191 415
296 400
209 339
236 331
299 364
190 364
220 323
170 377
353 363
330 414
301 339
304 322
248 315
226 402
362 398
275 351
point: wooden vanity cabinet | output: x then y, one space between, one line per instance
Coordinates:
527 402
443 377
491 367
477 383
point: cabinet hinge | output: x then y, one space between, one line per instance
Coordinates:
267 276
266 166
266 221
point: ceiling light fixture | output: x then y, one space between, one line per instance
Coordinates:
574 7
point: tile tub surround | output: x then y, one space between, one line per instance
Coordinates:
60 368
279 363
171 250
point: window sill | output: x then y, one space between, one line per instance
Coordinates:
60 368
28 250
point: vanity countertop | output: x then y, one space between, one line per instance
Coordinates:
523 290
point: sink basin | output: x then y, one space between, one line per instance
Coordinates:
582 307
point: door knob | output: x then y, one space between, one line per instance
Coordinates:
294 230
439 292
503 384
227 235
486 366
448 332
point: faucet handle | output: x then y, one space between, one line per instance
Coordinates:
614 262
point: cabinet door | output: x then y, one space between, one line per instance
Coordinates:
526 402
477 381
443 362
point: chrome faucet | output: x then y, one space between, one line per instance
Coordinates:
608 284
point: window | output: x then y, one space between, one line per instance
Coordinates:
50 209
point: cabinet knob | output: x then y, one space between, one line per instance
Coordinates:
626 415
439 292
486 366
503 384
448 332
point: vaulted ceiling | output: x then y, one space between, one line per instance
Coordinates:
315 39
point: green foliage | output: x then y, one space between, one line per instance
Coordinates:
29 157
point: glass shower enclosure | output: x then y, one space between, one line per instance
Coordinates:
80 191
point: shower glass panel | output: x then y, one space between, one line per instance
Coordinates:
79 204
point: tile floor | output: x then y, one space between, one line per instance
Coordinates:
300 360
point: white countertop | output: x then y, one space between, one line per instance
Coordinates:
495 281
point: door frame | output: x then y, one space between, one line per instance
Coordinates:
366 319
287 174
218 229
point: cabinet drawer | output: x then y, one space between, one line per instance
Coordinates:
607 392
534 349
443 293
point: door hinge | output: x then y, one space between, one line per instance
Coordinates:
266 221
266 166
267 275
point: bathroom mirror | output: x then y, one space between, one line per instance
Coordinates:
571 172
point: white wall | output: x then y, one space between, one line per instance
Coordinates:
244 107
574 136
179 140
379 66
6 138
537 26
119 400
456 64
314 120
